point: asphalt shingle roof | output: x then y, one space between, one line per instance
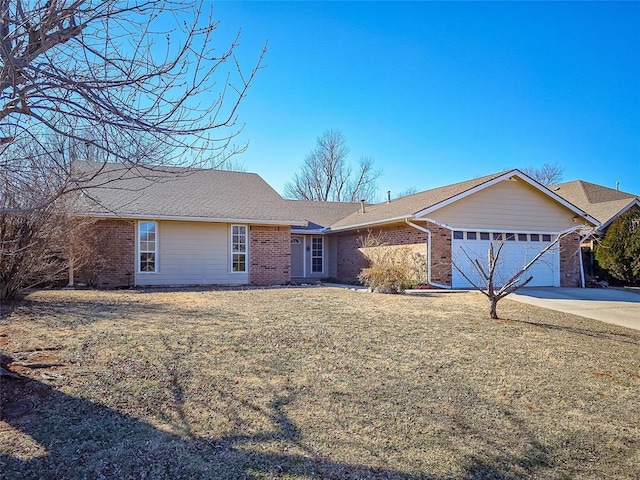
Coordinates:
182 192
216 195
600 202
320 214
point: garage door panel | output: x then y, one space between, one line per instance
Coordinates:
513 256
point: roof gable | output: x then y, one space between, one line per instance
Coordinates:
409 206
420 205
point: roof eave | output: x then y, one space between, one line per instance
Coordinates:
603 226
136 216
512 173
309 231
371 223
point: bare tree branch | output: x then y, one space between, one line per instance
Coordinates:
327 176
137 82
547 174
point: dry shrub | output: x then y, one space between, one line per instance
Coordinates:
393 268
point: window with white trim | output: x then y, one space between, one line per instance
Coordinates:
147 247
238 248
317 254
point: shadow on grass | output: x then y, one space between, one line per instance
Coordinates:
631 338
79 438
8 306
74 312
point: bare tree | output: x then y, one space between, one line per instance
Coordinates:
486 278
132 82
547 174
230 165
137 85
326 174
36 248
406 192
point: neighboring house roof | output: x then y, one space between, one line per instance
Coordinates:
320 215
420 204
181 193
603 203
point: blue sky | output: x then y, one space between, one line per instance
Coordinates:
439 93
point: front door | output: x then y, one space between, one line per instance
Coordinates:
297 257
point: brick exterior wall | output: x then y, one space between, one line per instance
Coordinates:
570 261
114 251
350 261
441 262
269 255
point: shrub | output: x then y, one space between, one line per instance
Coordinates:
392 269
619 251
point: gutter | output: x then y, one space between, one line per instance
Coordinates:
428 232
135 216
372 223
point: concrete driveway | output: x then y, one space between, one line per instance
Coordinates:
605 304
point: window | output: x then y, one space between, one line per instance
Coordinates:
239 248
497 236
522 237
147 247
457 235
472 235
511 237
484 236
535 237
316 254
546 238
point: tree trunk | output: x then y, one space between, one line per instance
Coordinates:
493 303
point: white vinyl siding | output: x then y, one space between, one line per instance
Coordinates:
193 253
506 206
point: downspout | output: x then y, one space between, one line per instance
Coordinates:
428 232
582 280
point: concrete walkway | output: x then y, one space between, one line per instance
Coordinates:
619 307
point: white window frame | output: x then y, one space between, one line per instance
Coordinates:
321 257
140 251
234 252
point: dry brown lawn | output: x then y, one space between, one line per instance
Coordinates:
303 383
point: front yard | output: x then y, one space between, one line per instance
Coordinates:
313 383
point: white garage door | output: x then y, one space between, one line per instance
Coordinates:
519 249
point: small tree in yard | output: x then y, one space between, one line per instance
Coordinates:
487 273
619 251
